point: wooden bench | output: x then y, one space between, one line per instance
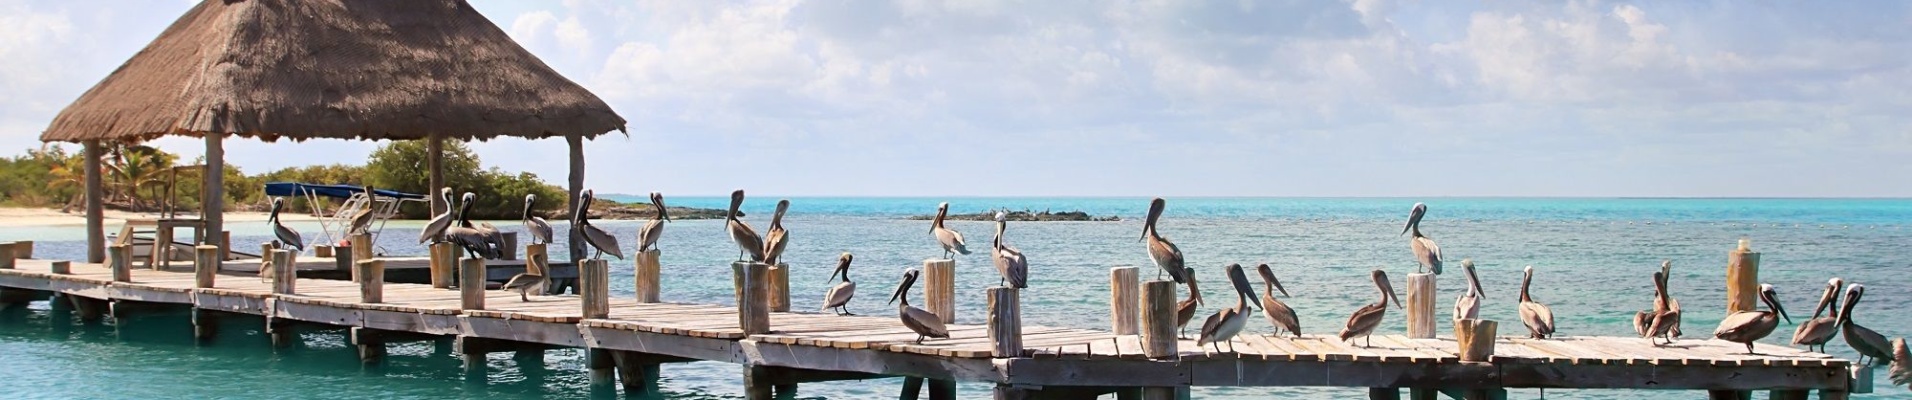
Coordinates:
163 228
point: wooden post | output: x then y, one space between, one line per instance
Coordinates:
205 265
371 345
756 381
1158 320
265 260
205 324
371 275
939 288
90 309
61 267
647 276
471 284
594 288
1475 338
1005 322
1790 394
510 249
212 188
1742 278
6 255
753 303
361 251
225 245
780 287
23 250
434 156
1420 306
537 262
120 259
1123 299
285 274
638 375
942 389
1860 380
1384 393
444 256
912 388
1729 395
576 188
599 364
95 197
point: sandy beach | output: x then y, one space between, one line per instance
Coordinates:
16 217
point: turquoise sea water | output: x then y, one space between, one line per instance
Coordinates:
1593 258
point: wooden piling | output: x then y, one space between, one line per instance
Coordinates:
89 309
942 389
780 287
647 276
371 346
225 245
600 365
325 251
1789 394
753 290
1729 395
6 255
1475 338
205 324
1005 322
1742 278
939 288
1420 306
1158 320
120 259
757 384
284 272
371 275
510 249
471 284
638 374
361 250
444 255
1123 297
538 262
912 388
205 265
594 288
265 260
1384 393
23 250
161 254
61 267
1859 379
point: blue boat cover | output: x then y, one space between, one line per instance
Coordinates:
333 191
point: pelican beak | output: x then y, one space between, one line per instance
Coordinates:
1268 274
908 279
1772 299
1381 279
843 268
1240 280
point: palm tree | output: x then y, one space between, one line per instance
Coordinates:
138 166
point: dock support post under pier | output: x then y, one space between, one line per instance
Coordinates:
1729 395
280 332
938 389
1789 394
371 345
600 365
205 325
638 372
90 309
757 384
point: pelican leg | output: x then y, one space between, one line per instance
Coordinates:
919 339
524 296
1749 348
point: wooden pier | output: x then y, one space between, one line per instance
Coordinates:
632 339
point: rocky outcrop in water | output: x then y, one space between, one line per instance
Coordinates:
1024 216
610 210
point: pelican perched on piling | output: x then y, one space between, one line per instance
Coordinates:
1164 253
1223 325
1666 319
1538 318
1750 326
1819 330
1863 340
1279 314
1467 306
925 324
1366 318
467 237
283 237
435 229
362 220
839 296
775 237
951 240
524 284
1185 310
653 229
1425 251
740 233
535 226
1009 261
603 241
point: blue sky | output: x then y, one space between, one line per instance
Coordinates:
1142 98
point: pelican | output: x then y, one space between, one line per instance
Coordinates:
776 237
647 238
1750 326
1425 251
1467 306
1279 314
1668 303
1165 255
740 232
1223 325
435 229
925 324
284 236
1366 318
951 240
1862 340
535 226
1009 261
1901 372
362 220
467 237
839 296
493 239
1185 310
1537 317
604 242
523 284
1820 330
1666 319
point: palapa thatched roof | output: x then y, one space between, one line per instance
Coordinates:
342 69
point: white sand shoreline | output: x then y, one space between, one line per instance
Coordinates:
30 216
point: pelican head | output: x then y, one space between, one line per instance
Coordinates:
1268 275
1002 216
1771 297
1853 293
445 193
529 199
1155 213
909 278
1473 281
942 211
1240 280
278 203
1381 282
464 205
1414 217
783 206
657 200
842 268
736 201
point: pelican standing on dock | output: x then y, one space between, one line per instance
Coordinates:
1223 325
775 237
283 237
839 296
1366 318
1666 319
469 238
1185 310
1749 326
435 229
925 324
1538 318
362 220
1663 302
1867 343
653 229
1009 261
1164 253
524 284
1425 251
740 233
951 240
1467 306
1818 330
596 237
535 226
1279 314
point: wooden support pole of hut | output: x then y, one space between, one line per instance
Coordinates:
285 273
594 288
939 288
1742 278
120 260
60 267
6 255
753 292
434 157
471 284
213 189
205 265
1005 322
371 280
95 209
779 287
361 250
444 259
1420 306
576 189
1123 298
647 276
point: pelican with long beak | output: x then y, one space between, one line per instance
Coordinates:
740 233
1869 344
283 237
1164 253
1223 325
1425 251
1009 261
467 237
1538 318
775 237
535 225
598 238
1467 306
1668 303
839 296
653 229
362 220
1820 330
1366 318
435 229
1750 326
951 240
524 284
925 324
1185 310
1666 321
1279 314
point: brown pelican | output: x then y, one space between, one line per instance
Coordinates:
1750 326
1901 371
524 284
1865 341
1467 306
654 229
435 229
1668 303
467 237
362 220
839 296
1279 314
740 232
1538 318
1009 261
492 238
1425 251
1666 319
776 237
951 241
1161 251
1223 325
1366 318
925 324
535 226
1818 330
604 242
1185 310
284 237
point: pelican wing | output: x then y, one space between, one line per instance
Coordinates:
1664 323
1466 307
951 240
746 239
467 238
1901 373
1867 342
1185 312
839 295
288 236
523 282
362 221
1643 323
1428 253
647 237
1538 318
773 245
923 322
1168 257
1816 331
1279 314
435 228
1212 327
1012 266
1739 323
1364 320
603 241
539 230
